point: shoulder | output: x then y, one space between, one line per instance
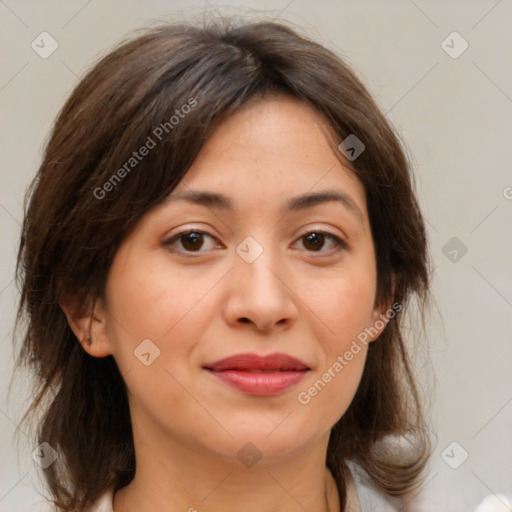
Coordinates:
369 497
103 504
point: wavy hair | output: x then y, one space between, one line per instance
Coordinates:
70 236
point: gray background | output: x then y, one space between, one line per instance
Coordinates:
455 117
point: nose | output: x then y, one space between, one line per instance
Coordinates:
260 293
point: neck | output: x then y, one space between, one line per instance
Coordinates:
172 477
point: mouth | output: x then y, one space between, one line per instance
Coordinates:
256 375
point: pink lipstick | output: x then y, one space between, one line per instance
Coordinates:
256 375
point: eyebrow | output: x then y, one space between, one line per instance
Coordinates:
217 201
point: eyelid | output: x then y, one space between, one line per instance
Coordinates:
339 241
169 240
337 232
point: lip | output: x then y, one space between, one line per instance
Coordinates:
253 362
259 375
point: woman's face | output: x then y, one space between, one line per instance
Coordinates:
270 274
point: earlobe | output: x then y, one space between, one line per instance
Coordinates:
381 320
383 313
378 323
89 326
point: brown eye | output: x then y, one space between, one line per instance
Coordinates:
192 241
316 240
188 241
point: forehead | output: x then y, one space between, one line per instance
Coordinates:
277 127
275 147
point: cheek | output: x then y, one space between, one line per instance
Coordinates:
336 383
345 306
328 392
147 301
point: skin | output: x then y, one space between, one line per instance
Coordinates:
197 307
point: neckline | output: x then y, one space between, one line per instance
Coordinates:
353 502
106 502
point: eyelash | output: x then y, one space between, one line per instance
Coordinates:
339 243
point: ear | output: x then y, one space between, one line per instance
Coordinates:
379 319
382 314
88 323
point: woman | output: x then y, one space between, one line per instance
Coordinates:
216 257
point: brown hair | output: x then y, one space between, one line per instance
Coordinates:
74 224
